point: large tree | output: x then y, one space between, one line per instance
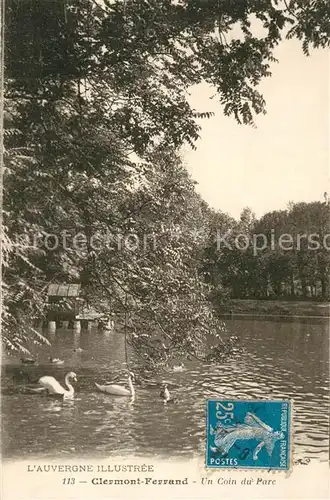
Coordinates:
138 58
89 86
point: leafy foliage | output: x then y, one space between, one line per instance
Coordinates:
96 109
286 255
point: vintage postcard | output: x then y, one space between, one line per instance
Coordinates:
165 249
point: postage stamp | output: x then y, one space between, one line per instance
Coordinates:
248 434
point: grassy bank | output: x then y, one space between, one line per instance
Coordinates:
276 307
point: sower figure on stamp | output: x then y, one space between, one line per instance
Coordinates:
253 428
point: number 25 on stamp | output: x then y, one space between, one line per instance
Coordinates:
248 434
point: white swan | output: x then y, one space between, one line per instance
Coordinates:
119 390
54 387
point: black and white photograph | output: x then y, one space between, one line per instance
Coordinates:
165 247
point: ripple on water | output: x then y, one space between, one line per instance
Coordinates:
278 363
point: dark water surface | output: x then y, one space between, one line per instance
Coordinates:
281 360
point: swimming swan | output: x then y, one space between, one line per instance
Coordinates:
54 388
119 390
165 395
28 361
56 361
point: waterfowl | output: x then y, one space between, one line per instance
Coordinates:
302 461
54 387
35 390
28 361
56 361
119 390
178 368
165 395
78 349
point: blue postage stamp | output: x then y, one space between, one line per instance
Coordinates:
248 434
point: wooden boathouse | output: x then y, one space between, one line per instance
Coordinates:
66 307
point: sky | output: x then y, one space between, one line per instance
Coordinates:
286 158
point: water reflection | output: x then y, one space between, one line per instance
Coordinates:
281 360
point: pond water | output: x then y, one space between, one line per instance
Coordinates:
280 360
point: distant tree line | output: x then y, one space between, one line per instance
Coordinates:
283 255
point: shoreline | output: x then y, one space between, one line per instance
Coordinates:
251 308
